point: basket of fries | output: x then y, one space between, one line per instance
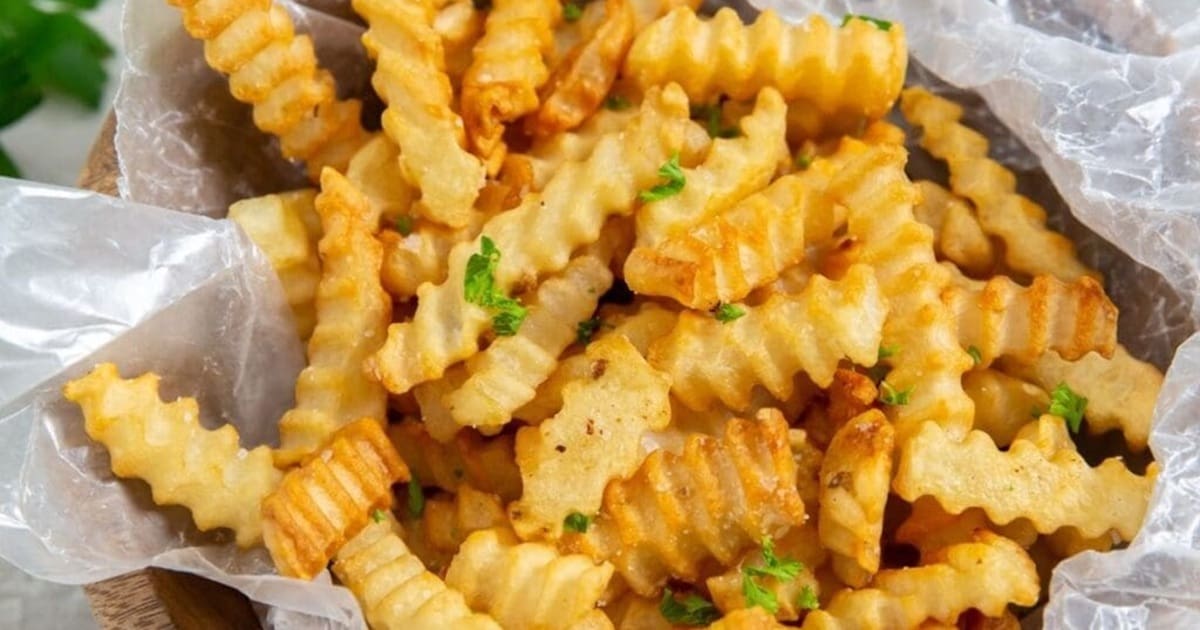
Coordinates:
624 314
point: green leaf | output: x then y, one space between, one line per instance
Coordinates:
887 352
577 522
416 498
711 115
617 103
479 287
976 355
756 595
673 183
67 58
19 95
378 516
572 12
692 611
404 224
726 313
7 167
585 329
889 395
807 600
1068 405
508 320
882 25
70 5
785 569
804 160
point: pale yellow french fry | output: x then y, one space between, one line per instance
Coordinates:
506 375
582 79
276 71
567 461
709 360
286 227
846 74
648 323
487 464
1002 318
506 71
677 513
1121 391
431 399
352 315
163 444
526 585
927 361
327 500
569 213
395 590
930 528
960 239
411 79
987 574
800 544
446 521
460 25
733 169
548 154
855 477
1003 404
1052 491
808 458
1029 246
375 171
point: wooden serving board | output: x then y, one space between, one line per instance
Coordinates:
155 598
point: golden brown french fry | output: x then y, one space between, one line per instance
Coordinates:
164 445
460 26
800 544
487 464
445 522
1003 404
960 239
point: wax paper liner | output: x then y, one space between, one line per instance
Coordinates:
1102 95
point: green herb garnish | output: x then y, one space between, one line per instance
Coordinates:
585 329
416 498
692 611
726 313
378 516
711 115
479 287
807 599
976 355
882 25
616 103
1068 405
804 160
404 224
673 181
576 522
887 352
784 569
889 395
572 11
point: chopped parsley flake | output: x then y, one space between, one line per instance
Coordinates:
673 181
692 611
726 313
887 352
889 395
572 11
585 329
976 355
804 160
711 116
576 522
882 25
1068 405
378 516
616 103
416 498
807 599
404 224
479 287
756 595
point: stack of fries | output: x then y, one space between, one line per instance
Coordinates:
640 318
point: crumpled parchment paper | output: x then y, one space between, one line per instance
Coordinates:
1104 95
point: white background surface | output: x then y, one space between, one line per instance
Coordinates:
50 145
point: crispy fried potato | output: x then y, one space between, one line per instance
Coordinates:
1002 318
800 544
960 239
713 501
930 528
352 315
446 521
855 475
506 71
846 74
526 585
734 168
410 77
164 445
1121 391
1029 246
375 171
506 375
286 227
327 500
1052 491
987 575
596 438
487 464
276 71
431 399
460 25
446 328
1003 404
394 589
583 78
709 360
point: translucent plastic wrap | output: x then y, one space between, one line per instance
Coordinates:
1096 100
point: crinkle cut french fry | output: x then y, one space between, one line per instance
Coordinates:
460 26
446 522
709 360
375 171
1051 491
960 238
855 475
446 328
430 397
1029 246
164 444
928 362
286 227
648 323
930 529
726 256
1002 318
800 544
596 437
733 169
276 71
327 500
847 74
353 312
506 71
526 585
410 77
583 78
987 574
1121 391
1002 403
487 464
548 154
714 500
506 375
394 589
